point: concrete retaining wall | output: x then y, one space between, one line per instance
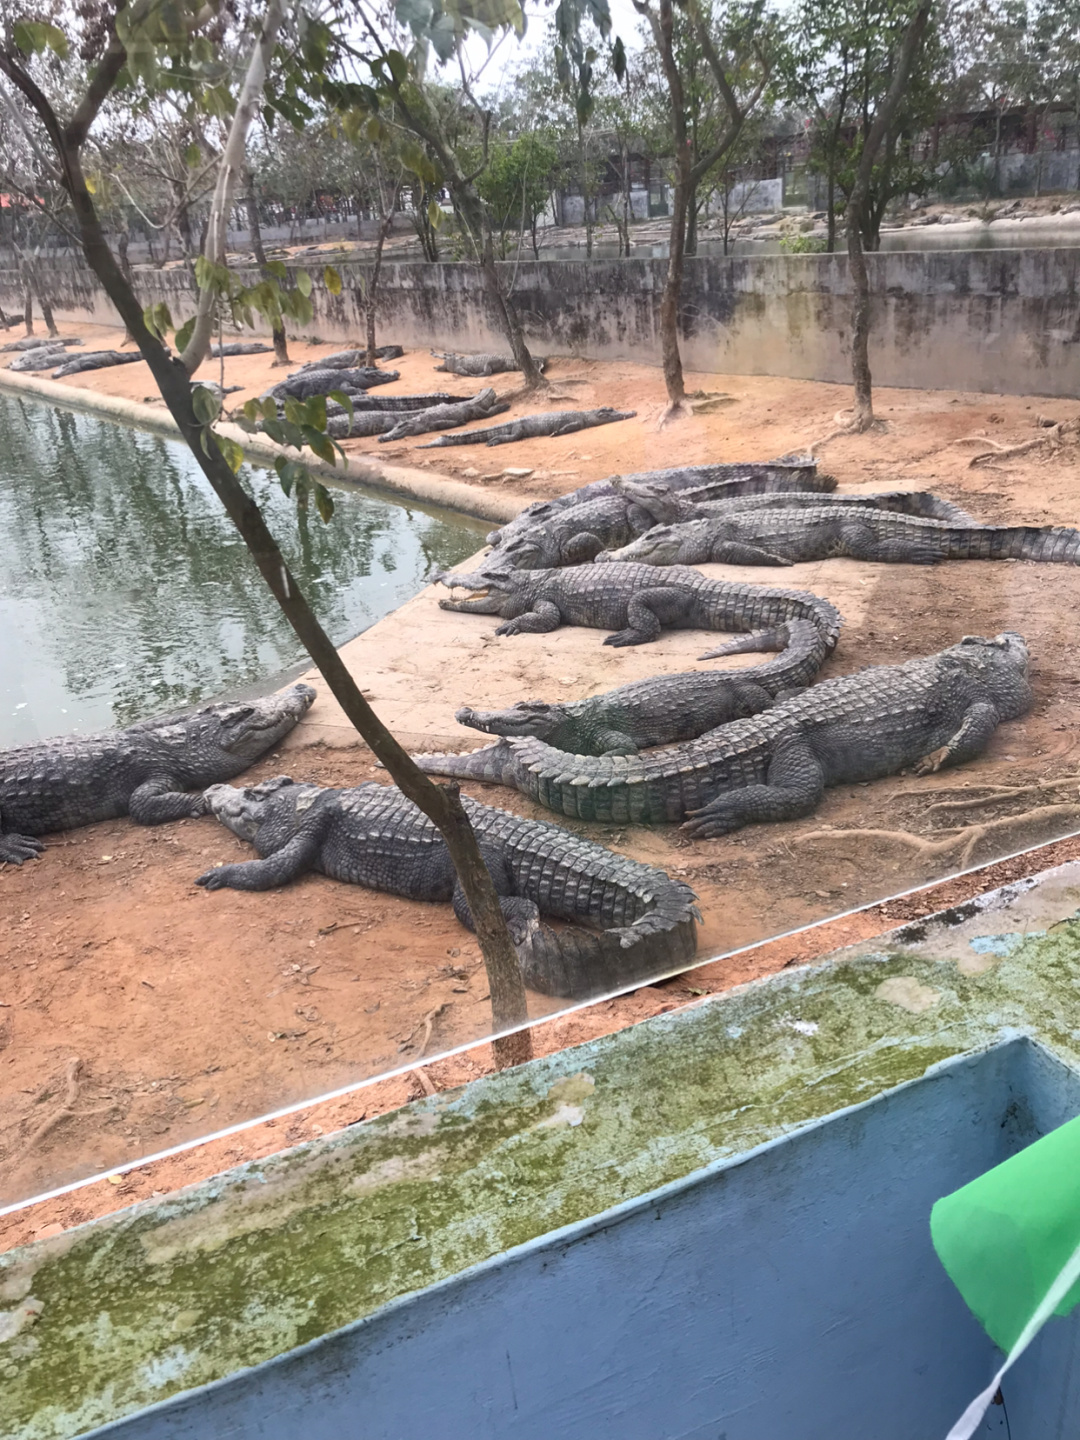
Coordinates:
1005 321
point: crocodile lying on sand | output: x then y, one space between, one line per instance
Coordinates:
141 771
95 360
346 359
532 427
786 537
398 421
481 406
456 364
320 382
787 473
936 711
240 347
374 836
582 532
637 603
663 708
38 342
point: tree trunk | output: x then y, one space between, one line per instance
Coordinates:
863 410
46 312
830 240
583 164
670 300
28 307
691 221
440 803
373 285
251 205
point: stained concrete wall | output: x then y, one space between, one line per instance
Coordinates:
1005 321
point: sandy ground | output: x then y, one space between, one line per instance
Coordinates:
186 1012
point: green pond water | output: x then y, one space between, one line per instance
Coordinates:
125 591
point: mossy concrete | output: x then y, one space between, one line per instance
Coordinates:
130 1310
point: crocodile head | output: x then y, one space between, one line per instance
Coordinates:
1001 665
247 729
246 810
662 545
537 718
492 592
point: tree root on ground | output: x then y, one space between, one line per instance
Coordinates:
1064 432
967 838
1002 792
844 420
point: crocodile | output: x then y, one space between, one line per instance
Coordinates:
787 473
786 537
481 406
633 601
240 347
934 711
39 359
532 427
95 360
608 522
663 708
372 835
475 365
38 342
141 771
346 359
303 386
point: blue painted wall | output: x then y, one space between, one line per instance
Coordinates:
792 1295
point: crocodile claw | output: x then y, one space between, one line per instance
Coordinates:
14 849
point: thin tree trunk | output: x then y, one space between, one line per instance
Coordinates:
863 410
372 298
830 241
672 295
28 307
251 205
440 803
583 165
46 312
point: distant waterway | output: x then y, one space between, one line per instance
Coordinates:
125 591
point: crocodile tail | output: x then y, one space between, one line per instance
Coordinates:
1050 544
496 764
578 964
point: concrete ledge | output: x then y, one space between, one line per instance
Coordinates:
115 1318
398 479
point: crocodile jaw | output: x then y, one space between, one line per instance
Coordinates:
248 730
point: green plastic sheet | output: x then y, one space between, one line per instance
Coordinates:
1005 1237
1010 1242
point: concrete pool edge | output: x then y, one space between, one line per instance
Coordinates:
274 1255
399 480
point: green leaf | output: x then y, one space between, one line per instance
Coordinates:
345 401
316 412
276 267
332 280
324 503
232 452
184 334
275 430
303 283
251 410
618 59
290 473
206 405
435 214
33 36
318 441
192 156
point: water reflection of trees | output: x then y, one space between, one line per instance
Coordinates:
143 592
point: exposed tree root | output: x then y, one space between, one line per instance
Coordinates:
64 1112
676 410
846 426
966 839
1065 432
1002 792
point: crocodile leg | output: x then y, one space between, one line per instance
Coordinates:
522 916
544 616
288 863
161 799
614 742
793 788
14 849
582 548
648 612
860 543
979 723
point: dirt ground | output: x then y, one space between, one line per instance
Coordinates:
137 1012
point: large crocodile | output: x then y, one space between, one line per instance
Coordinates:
456 364
935 711
480 406
582 532
141 771
374 836
637 603
95 360
788 473
533 427
785 537
304 384
395 422
663 708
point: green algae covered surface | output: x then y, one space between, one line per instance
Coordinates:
116 1315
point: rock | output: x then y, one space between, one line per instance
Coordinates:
471 473
517 472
